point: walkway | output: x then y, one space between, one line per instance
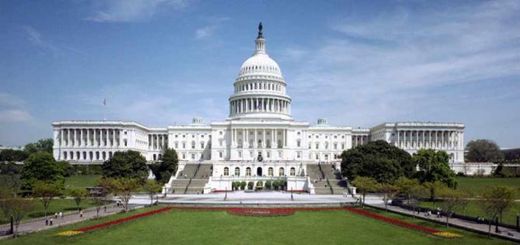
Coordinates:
38 224
506 233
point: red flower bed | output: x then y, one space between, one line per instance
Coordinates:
392 220
122 220
261 212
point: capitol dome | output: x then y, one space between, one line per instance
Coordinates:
260 89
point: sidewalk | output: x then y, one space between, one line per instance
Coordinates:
38 224
506 233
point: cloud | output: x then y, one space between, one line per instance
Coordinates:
403 64
208 30
36 38
12 109
131 10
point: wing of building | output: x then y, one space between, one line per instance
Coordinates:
259 141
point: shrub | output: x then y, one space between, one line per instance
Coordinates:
250 185
276 185
259 185
268 185
242 185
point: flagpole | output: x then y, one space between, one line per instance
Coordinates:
104 109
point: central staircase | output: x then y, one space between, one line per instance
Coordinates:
326 179
192 179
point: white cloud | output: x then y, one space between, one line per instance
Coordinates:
208 30
132 10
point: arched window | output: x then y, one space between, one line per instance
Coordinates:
226 171
237 171
270 171
65 155
193 145
248 171
109 155
91 157
104 154
84 155
293 172
281 172
77 155
97 155
154 157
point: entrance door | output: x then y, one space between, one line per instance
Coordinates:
259 171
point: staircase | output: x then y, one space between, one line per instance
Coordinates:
192 179
326 179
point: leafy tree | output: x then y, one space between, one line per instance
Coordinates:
15 208
43 145
10 155
127 164
495 201
46 191
379 160
364 185
167 167
66 168
389 192
41 166
242 185
79 195
268 184
433 166
406 186
434 188
451 200
123 188
152 188
250 185
483 150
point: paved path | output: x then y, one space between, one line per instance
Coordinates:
38 224
507 233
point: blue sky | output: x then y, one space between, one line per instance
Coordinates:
356 63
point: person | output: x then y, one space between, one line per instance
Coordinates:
81 213
61 215
46 221
105 209
55 215
50 222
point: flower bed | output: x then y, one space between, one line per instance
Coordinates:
122 220
393 220
261 212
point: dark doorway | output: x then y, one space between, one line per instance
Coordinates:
259 171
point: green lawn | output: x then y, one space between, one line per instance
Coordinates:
476 185
219 227
81 181
56 205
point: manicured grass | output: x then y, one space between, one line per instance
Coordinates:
474 210
219 227
476 185
81 181
55 206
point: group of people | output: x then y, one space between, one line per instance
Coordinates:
50 221
428 213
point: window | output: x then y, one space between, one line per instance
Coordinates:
317 145
65 155
237 171
183 145
281 172
193 145
248 171
327 145
201 145
335 146
220 154
176 145
298 143
239 154
183 155
298 154
193 156
226 171
293 172
270 171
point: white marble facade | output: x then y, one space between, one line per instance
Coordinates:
259 132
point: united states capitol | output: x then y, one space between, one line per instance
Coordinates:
259 141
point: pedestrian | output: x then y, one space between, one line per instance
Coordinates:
46 221
61 215
105 208
55 215
81 213
50 222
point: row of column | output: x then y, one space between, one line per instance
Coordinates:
77 137
86 155
247 105
252 86
157 141
240 135
359 140
441 139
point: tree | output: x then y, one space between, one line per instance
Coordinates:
451 200
389 191
46 191
40 166
483 150
152 188
495 201
167 167
379 160
434 188
78 195
15 208
364 185
433 166
127 164
43 145
123 188
406 186
10 155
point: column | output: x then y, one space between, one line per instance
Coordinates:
275 138
62 131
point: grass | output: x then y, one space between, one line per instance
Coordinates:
219 227
55 206
476 185
81 181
